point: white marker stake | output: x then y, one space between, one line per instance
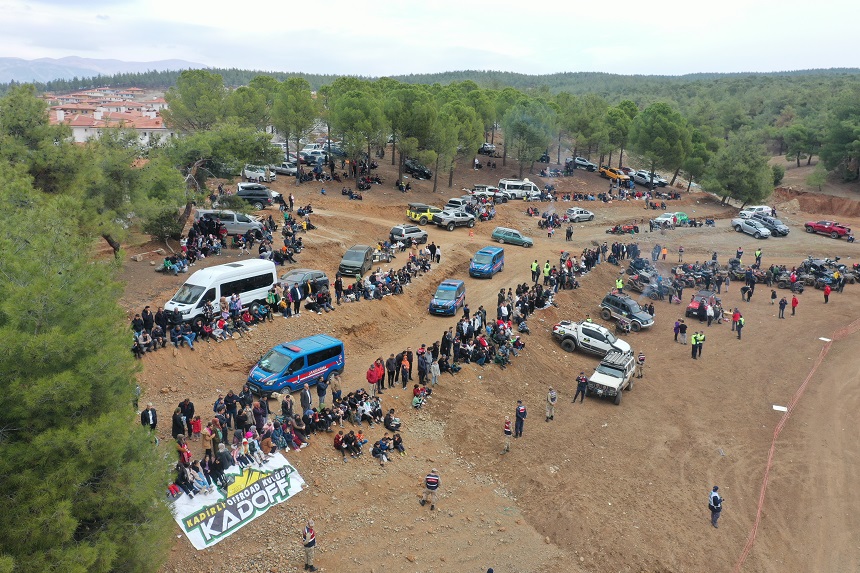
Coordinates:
825 339
780 408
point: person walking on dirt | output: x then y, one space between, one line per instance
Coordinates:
535 271
826 294
551 399
782 304
700 343
309 542
794 303
694 341
758 257
682 330
508 432
681 254
677 329
640 364
715 504
520 419
740 327
431 488
581 387
546 270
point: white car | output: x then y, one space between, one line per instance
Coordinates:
643 177
258 173
576 215
285 168
751 227
665 218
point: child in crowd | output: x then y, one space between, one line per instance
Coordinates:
196 428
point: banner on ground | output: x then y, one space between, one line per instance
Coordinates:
210 518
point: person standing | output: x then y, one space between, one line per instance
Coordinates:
735 316
508 432
700 343
322 388
305 398
372 380
677 329
758 257
715 504
410 357
520 419
682 330
826 294
681 254
640 364
435 371
309 540
782 304
794 303
741 322
149 417
581 387
694 341
187 408
551 399
772 296
535 271
546 270
296 297
431 488
438 254
391 369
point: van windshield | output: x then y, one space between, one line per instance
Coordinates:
482 259
274 362
610 371
446 294
188 294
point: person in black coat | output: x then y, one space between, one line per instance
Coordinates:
178 423
305 397
148 319
186 407
149 417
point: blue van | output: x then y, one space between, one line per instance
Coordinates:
487 262
289 366
450 295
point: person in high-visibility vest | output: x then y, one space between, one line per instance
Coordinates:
535 271
619 284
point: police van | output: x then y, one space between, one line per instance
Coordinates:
487 262
289 366
250 279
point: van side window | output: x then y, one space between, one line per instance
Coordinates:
323 355
242 218
264 280
226 217
295 366
209 296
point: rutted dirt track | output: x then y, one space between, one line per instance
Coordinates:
602 487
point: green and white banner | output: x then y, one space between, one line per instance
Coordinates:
209 518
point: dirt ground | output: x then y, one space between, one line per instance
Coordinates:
600 488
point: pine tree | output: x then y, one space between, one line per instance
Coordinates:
81 480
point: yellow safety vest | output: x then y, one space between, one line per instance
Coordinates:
619 284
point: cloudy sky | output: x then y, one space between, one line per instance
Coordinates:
384 37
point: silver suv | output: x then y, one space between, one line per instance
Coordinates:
622 306
406 233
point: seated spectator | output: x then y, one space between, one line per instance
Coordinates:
380 451
340 445
397 444
352 445
158 340
417 401
391 423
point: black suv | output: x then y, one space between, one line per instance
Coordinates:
622 306
406 233
259 196
316 280
417 170
775 226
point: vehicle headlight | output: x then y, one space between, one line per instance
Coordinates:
186 312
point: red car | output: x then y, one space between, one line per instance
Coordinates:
698 298
832 228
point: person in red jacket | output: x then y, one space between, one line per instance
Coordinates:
372 379
826 294
794 303
380 375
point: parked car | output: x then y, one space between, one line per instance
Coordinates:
487 149
832 228
421 213
776 227
356 261
750 227
406 233
582 163
512 237
698 299
258 173
257 195
451 219
490 192
666 218
285 168
681 218
417 170
613 174
235 223
754 210
622 306
588 337
310 281
450 296
577 214
643 177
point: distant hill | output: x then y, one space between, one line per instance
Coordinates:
44 70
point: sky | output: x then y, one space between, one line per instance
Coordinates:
386 37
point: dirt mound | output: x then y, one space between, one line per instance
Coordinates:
810 202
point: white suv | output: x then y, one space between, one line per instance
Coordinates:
258 173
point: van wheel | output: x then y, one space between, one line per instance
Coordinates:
618 397
501 268
605 314
501 241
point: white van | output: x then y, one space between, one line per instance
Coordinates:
518 189
251 279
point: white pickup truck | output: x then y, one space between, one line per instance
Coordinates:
588 337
